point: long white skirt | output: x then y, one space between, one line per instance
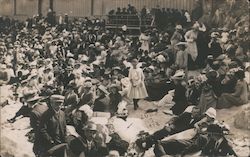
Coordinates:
137 92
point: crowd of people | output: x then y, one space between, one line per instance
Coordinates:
63 71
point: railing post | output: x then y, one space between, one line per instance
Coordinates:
14 7
39 7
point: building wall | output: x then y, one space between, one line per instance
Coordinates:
26 7
6 7
81 8
178 4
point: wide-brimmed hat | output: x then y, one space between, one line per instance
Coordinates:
33 99
214 34
69 68
179 74
211 112
189 109
114 86
57 98
181 44
103 89
116 68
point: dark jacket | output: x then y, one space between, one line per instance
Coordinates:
185 121
52 128
79 145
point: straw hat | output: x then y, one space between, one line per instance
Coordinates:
103 89
57 98
211 112
179 74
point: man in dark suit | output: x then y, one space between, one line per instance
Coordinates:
52 127
90 143
184 121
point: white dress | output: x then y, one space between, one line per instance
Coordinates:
144 42
190 37
137 89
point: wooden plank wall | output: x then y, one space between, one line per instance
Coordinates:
6 8
81 8
27 7
73 7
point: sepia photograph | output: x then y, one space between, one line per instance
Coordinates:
124 78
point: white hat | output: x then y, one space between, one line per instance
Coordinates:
214 34
103 89
189 109
84 58
161 58
151 67
69 55
179 74
181 43
87 110
124 27
3 66
178 27
97 44
171 91
102 47
247 65
211 112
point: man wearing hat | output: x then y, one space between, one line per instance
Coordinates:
180 92
90 143
25 110
102 102
214 46
175 125
86 94
52 127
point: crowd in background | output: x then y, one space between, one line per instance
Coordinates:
85 67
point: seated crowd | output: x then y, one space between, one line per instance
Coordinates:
63 72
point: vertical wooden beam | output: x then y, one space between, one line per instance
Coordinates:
51 4
92 8
14 7
40 7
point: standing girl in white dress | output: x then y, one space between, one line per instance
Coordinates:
137 89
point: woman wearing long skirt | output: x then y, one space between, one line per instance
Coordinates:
192 50
137 89
239 97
